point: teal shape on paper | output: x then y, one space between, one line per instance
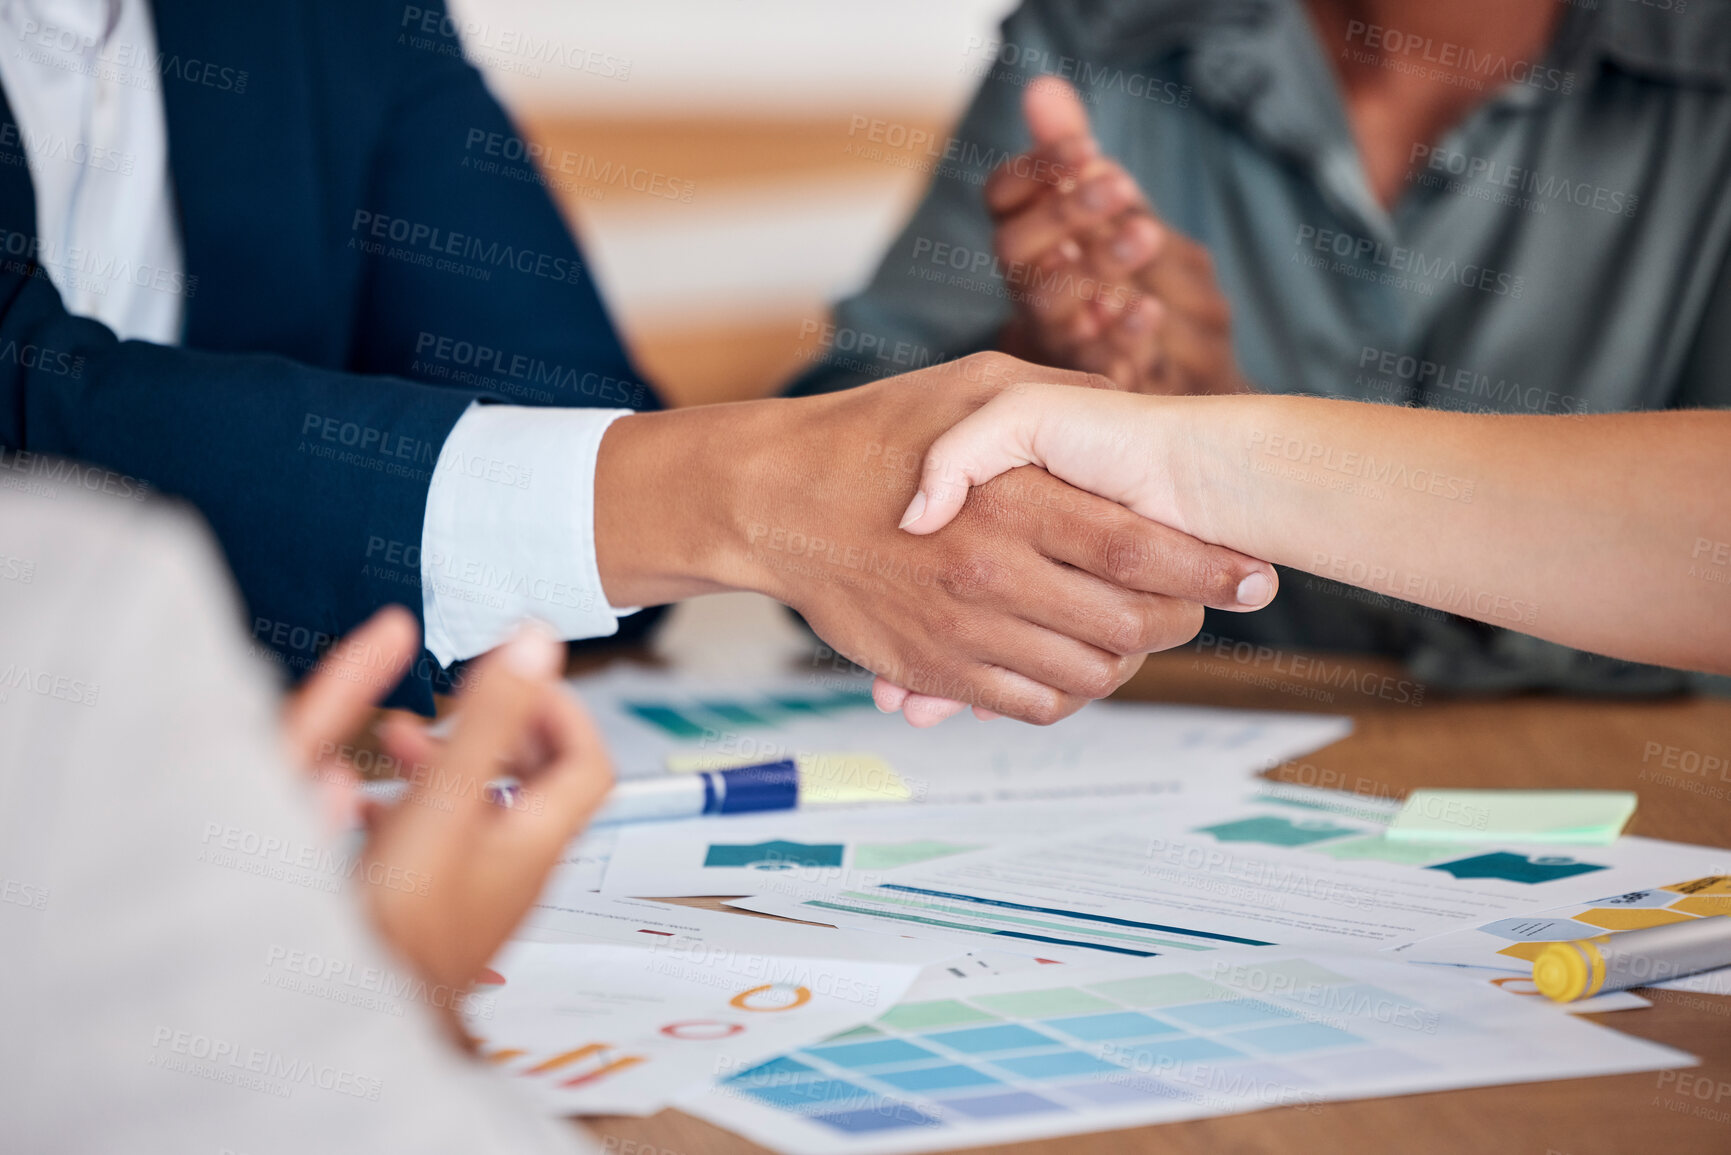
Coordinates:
776 854
1517 867
1275 830
736 713
665 718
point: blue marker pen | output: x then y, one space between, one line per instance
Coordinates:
766 786
740 790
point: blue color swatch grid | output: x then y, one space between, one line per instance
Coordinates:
1067 1049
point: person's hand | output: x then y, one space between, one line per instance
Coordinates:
1113 445
484 858
1037 599
1123 448
1099 282
454 866
322 717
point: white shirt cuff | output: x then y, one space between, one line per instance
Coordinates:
510 529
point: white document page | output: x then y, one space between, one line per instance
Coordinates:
605 1029
799 854
1065 1050
1208 873
594 919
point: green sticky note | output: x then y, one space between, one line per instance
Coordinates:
1578 817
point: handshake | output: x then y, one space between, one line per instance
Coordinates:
1037 596
1033 598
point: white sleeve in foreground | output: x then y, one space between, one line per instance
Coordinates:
510 529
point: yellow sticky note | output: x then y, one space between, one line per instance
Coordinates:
851 777
690 762
825 777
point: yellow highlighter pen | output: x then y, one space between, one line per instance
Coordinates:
1567 971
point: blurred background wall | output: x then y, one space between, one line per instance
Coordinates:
715 156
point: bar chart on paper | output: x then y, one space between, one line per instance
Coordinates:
1020 1056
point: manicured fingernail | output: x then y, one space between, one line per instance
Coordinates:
533 653
1255 590
915 508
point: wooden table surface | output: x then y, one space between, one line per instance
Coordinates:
1675 753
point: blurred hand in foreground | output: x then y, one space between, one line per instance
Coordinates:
453 867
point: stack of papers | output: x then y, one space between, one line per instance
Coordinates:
1108 922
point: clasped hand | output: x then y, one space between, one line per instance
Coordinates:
1106 286
1035 599
1081 438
